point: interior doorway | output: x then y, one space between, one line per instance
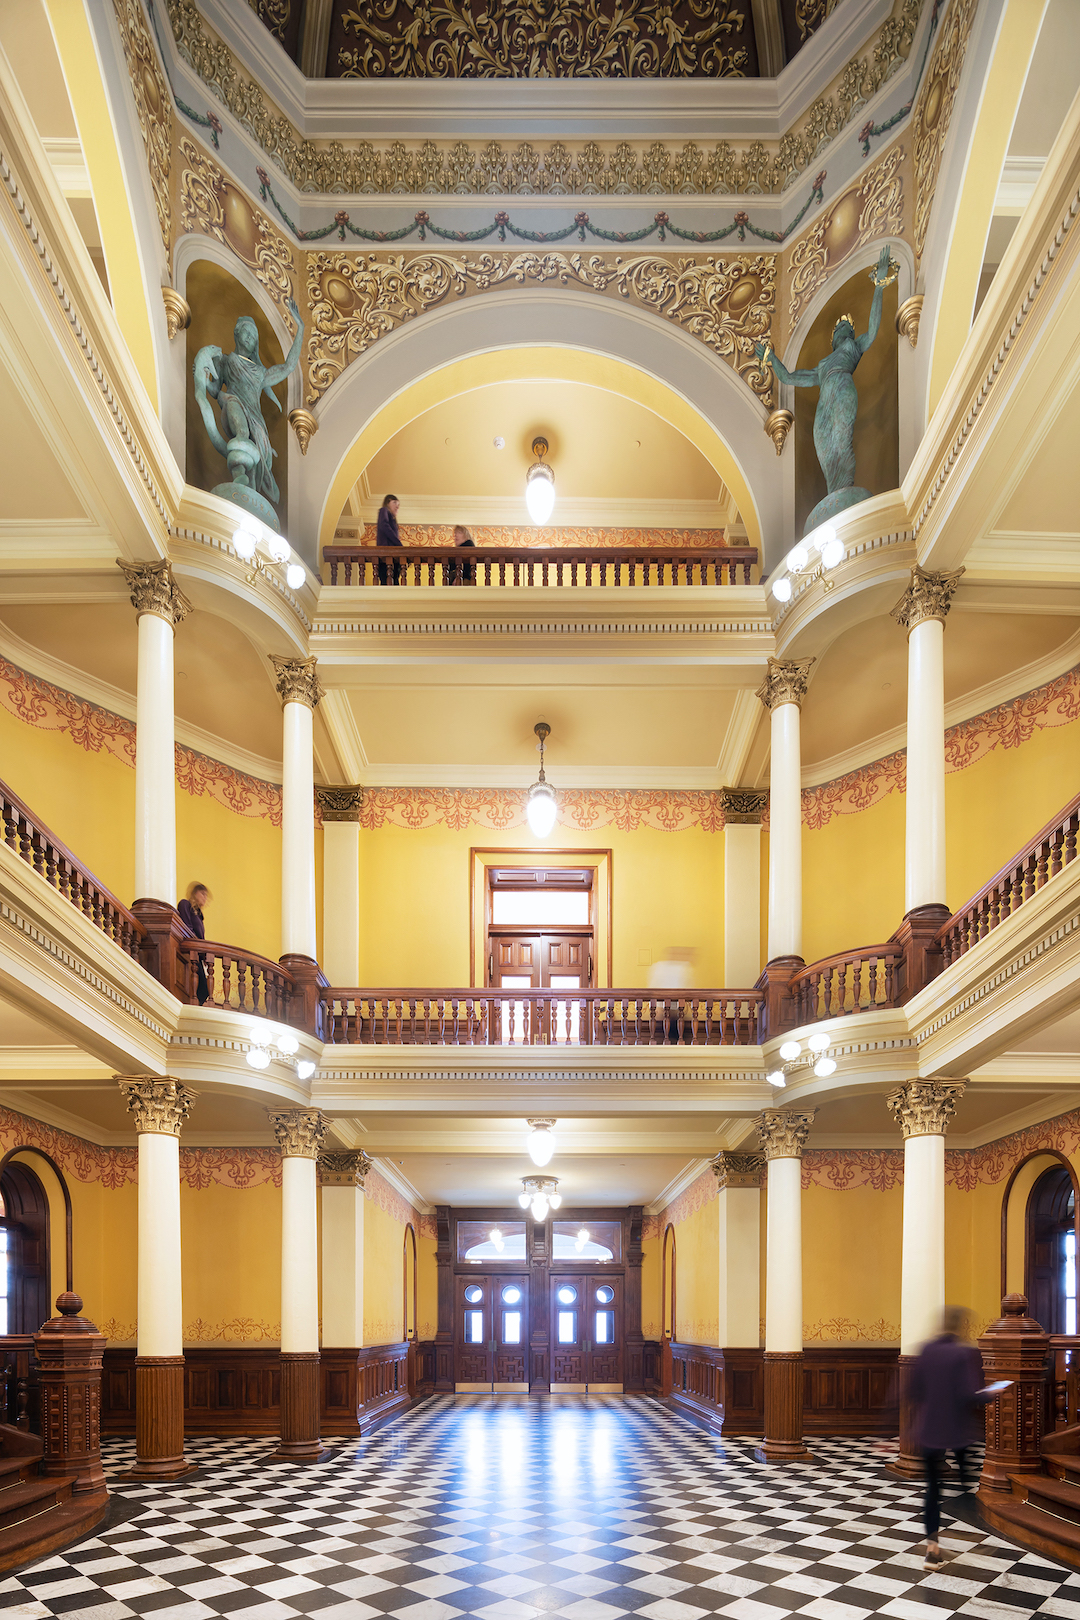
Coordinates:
492 1337
586 1331
1052 1252
541 928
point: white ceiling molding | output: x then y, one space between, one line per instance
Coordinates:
742 728
1019 177
677 1185
401 1184
340 722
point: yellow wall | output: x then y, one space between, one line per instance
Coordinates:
650 1286
383 1251
427 1288
231 1264
851 1265
697 1277
239 857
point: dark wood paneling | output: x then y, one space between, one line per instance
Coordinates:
846 1389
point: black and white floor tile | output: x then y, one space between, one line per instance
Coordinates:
517 1509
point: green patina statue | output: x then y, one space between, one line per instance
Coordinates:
237 382
838 402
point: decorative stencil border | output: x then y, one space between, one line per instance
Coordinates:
584 809
842 1330
98 731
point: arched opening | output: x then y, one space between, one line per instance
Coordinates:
24 1251
408 1284
1050 1251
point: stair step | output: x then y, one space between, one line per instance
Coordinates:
32 1497
1041 1531
1060 1497
14 1469
1063 1464
56 1527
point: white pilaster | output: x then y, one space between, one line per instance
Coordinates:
743 809
341 883
782 693
299 689
738 1214
342 1200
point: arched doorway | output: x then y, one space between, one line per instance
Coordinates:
24 1251
1051 1251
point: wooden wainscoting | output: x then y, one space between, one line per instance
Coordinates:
847 1389
239 1391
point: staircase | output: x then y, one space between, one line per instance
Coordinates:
1043 1510
37 1514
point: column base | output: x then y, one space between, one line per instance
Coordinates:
300 1442
159 1420
783 1441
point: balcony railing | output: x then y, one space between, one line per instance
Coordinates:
235 978
851 982
509 565
540 1018
1039 860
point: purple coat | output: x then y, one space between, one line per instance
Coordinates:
193 918
946 1385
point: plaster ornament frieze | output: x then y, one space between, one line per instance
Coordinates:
738 1170
933 110
541 627
296 680
625 167
213 205
154 591
530 1077
299 1132
340 803
864 213
925 1107
783 1132
929 596
785 681
160 1107
153 104
744 807
343 1169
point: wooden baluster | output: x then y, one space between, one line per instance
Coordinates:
1042 863
603 569
1072 827
10 825
1057 845
559 569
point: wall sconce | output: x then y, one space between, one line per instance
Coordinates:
253 542
829 547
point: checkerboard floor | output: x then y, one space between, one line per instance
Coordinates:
515 1509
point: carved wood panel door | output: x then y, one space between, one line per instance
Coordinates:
492 1333
586 1331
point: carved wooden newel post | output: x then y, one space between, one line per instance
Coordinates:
300 1134
783 1137
923 1109
68 1349
1015 1348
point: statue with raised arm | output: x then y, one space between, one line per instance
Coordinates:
838 401
237 382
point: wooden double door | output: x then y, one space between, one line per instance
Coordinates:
546 960
586 1330
494 1322
491 1338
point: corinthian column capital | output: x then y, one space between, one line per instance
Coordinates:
300 1132
783 1133
343 1169
340 803
785 682
929 596
297 681
738 1170
153 590
160 1107
925 1107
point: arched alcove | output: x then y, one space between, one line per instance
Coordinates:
25 1261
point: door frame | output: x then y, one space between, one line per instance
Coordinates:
601 862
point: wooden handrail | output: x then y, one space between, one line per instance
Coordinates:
29 837
849 982
236 978
489 565
1042 857
497 1017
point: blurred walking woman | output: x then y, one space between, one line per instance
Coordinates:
386 534
462 573
191 913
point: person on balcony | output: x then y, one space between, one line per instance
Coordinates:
191 910
462 573
673 972
386 534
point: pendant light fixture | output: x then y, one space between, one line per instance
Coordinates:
541 805
541 1193
540 484
541 1141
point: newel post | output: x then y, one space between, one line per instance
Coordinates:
68 1349
1015 1348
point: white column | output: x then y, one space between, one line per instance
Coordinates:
742 809
341 1177
783 1136
299 688
300 1133
782 693
922 611
340 807
923 1109
160 1108
739 1232
160 606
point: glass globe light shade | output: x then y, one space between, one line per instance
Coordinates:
555 1199
777 1078
798 559
540 492
539 1207
819 1043
582 1239
287 1043
258 1057
790 1051
824 1066
295 576
305 1069
524 1200
781 588
823 535
244 543
540 809
278 547
832 552
541 1144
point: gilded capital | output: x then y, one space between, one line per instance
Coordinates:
153 590
343 1169
743 807
785 682
340 803
160 1107
738 1169
782 1133
929 596
297 681
925 1107
300 1132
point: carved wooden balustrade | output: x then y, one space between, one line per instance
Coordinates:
1040 860
1064 1383
20 1400
541 1017
34 843
237 978
850 982
511 565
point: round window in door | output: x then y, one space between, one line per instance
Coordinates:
605 1295
474 1293
567 1295
511 1294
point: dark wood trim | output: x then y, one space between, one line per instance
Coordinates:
410 1232
482 850
1037 1153
159 1419
846 1390
59 1174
